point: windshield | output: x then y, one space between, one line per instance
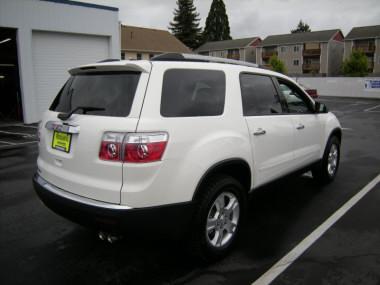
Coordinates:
111 92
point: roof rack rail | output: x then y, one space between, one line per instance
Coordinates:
199 58
108 60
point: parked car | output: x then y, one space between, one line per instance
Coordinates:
311 91
177 142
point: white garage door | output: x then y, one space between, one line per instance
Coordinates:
55 53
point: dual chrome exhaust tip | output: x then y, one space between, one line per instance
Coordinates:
108 237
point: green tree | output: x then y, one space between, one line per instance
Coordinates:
301 28
276 64
217 25
356 64
185 25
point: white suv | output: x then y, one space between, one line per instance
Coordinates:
178 140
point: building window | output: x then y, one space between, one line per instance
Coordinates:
296 48
283 49
296 62
122 55
138 56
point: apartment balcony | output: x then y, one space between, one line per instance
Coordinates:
266 66
234 56
308 67
268 54
311 52
365 48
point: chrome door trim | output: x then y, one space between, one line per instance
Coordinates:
61 127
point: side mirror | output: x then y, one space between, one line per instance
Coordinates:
320 108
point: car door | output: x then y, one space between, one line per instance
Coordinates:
271 133
307 124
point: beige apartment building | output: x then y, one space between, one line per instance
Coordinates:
366 39
144 43
314 53
239 49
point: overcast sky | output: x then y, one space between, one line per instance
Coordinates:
256 17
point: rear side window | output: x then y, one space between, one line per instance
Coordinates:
191 92
259 95
113 91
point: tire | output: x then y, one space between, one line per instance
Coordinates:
325 172
214 228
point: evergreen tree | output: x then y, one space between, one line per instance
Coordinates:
217 25
301 28
185 25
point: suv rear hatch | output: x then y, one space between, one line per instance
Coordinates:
106 101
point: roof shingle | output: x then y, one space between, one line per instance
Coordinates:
364 32
228 44
317 36
150 40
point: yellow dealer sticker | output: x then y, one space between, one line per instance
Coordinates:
61 141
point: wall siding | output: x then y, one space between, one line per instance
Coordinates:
28 16
324 59
250 54
288 56
335 58
347 49
259 59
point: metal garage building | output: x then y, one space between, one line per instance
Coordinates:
39 41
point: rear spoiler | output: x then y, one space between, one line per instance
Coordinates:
139 66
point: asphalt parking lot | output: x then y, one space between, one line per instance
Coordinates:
14 135
39 247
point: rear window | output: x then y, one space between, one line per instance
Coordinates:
191 93
113 91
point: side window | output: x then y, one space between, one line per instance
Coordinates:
259 95
295 99
192 92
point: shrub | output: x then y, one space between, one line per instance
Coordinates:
276 64
356 64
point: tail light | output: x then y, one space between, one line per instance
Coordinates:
111 146
133 147
144 147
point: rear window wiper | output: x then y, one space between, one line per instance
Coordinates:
65 116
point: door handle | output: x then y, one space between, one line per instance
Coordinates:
300 127
259 132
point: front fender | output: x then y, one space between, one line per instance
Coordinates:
332 125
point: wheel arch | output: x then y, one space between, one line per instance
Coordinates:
335 132
237 168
